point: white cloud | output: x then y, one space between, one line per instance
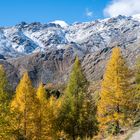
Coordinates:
122 7
89 13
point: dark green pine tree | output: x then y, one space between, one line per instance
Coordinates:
73 110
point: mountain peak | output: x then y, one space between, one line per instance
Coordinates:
62 23
83 37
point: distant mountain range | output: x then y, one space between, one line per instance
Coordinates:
47 51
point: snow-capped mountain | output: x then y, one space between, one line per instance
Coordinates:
92 36
47 51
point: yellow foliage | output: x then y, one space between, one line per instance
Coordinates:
116 94
23 91
47 112
53 107
25 105
41 93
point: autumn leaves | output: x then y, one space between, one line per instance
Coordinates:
33 115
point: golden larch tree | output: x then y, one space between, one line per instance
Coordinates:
42 112
137 93
47 114
5 128
25 104
115 104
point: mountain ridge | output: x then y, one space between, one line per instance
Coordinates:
47 51
27 38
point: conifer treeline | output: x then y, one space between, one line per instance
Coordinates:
33 115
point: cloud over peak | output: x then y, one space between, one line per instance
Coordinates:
122 7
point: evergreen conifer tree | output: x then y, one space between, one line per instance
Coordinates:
74 110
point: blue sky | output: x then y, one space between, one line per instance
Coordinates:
15 11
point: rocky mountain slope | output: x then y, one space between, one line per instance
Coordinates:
47 51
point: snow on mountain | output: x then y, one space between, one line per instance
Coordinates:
63 24
19 41
83 37
136 17
58 46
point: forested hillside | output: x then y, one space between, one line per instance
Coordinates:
74 111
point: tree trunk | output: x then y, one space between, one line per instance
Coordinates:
73 134
25 125
25 119
117 122
73 137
